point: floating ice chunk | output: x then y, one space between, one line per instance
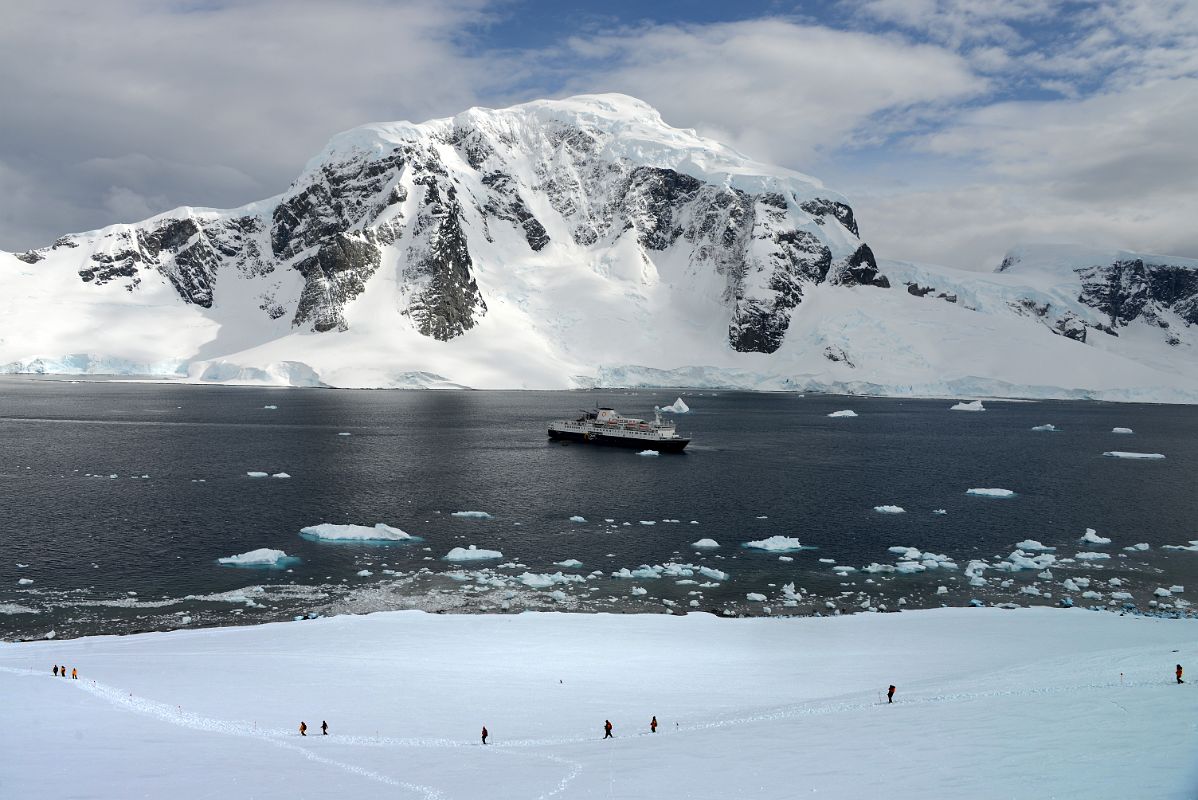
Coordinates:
789 592
1030 590
1092 595
677 407
327 531
471 514
843 568
14 608
941 590
257 474
558 595
1121 595
648 453
714 574
909 567
637 590
990 492
1192 546
1091 537
1141 546
364 573
1045 427
643 571
577 518
262 557
1122 430
1177 589
1091 556
270 408
471 553
1020 560
705 544
1033 545
1125 454
827 561
756 597
785 558
343 433
974 405
939 511
845 413
775 544
911 553
1115 582
1070 585
51 635
280 475
24 581
572 563
890 509
1161 591
876 567
544 581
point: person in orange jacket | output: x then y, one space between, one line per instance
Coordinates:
74 674
890 694
303 728
607 729
1179 680
653 724
485 734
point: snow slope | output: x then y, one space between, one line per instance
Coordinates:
578 242
1032 703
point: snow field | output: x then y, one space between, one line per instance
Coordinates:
983 695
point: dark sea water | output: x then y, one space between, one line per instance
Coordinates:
134 553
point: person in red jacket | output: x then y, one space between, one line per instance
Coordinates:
607 729
890 694
653 725
1179 680
484 734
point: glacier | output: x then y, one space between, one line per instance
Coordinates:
576 243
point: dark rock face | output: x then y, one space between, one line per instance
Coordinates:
29 256
821 207
446 301
507 204
1128 290
333 277
835 353
860 269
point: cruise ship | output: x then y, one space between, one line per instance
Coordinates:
605 426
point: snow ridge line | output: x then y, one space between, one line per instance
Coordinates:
186 719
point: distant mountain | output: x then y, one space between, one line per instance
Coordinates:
580 242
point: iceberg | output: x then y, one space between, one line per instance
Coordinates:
1124 454
1122 430
842 414
1032 544
975 405
572 563
471 553
1046 427
577 518
1091 537
471 514
329 532
990 492
775 544
262 557
257 474
890 509
705 544
677 407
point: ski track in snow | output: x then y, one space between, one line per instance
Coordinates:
282 738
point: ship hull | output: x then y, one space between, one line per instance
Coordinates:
660 445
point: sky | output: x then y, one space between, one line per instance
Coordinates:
957 128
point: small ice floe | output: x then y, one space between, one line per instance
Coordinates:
262 557
714 574
941 590
705 544
329 532
1091 556
840 414
1192 546
1125 454
364 573
761 516
343 433
990 492
1048 426
577 518
643 571
939 511
24 581
756 597
827 561
269 408
648 522
974 405
544 581
1139 547
1033 545
280 475
1161 591
785 558
1120 595
471 514
890 509
471 553
775 544
257 474
637 590
1091 537
677 407
648 453
572 563
1122 430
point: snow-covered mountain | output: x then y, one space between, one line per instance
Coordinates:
580 242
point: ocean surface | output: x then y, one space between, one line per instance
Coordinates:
117 499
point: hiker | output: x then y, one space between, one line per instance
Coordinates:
1179 680
324 728
890 694
303 728
55 670
484 734
653 725
607 729
74 674
63 670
